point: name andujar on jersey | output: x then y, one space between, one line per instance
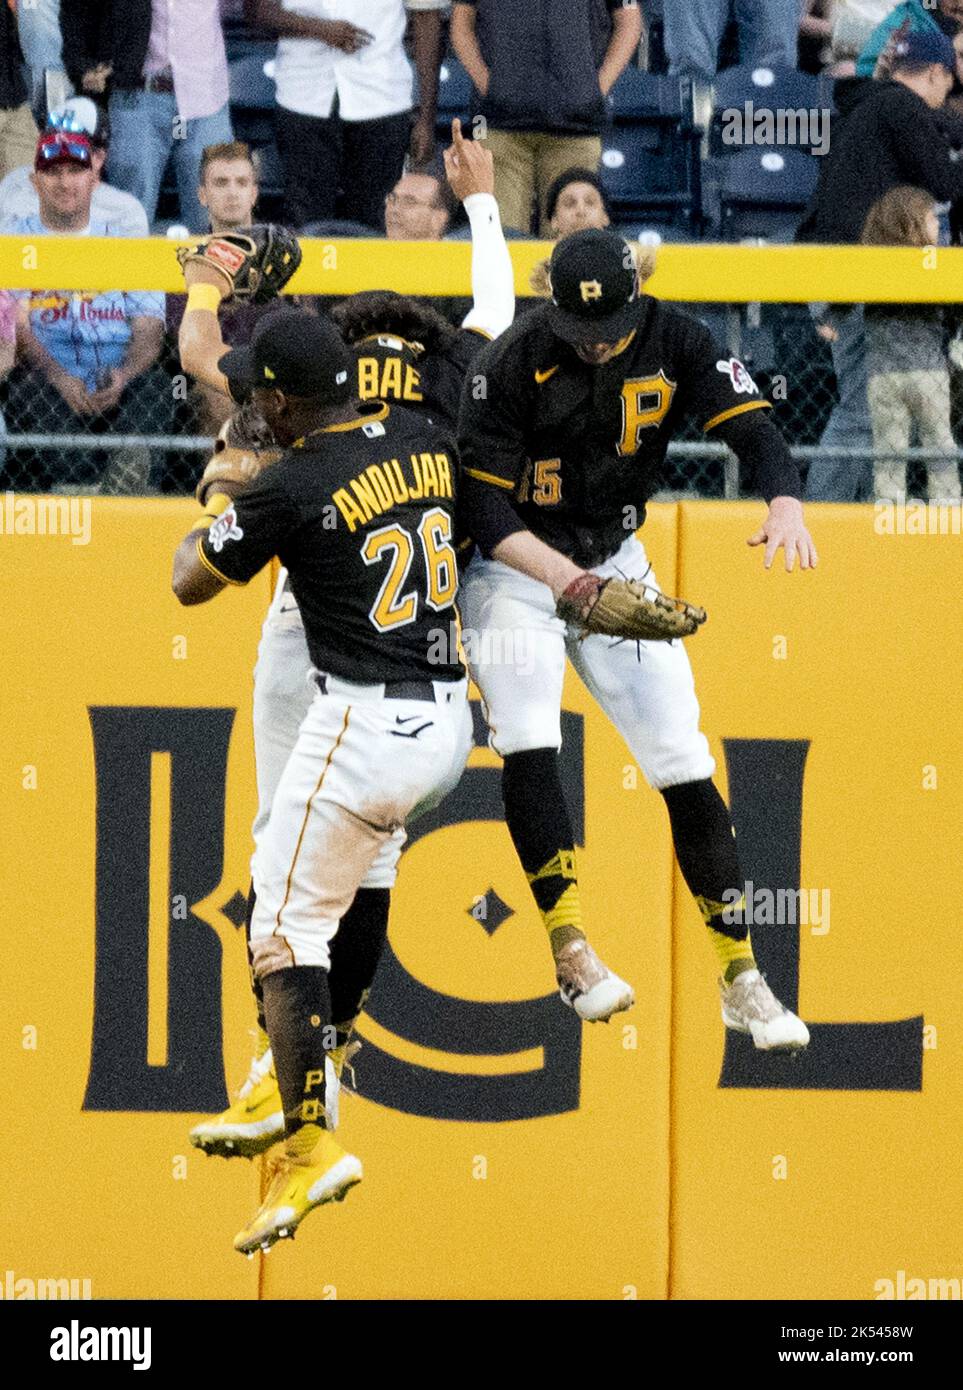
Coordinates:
384 485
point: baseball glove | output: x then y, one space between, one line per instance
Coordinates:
256 263
627 608
230 470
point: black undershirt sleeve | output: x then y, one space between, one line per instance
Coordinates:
488 512
760 446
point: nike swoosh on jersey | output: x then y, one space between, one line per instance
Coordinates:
541 377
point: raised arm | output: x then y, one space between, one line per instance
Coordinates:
470 171
199 340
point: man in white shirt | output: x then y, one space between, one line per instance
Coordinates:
345 92
18 191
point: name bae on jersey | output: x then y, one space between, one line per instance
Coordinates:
390 483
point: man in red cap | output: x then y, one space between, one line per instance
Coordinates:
89 357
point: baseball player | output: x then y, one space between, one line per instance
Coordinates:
560 453
360 510
405 352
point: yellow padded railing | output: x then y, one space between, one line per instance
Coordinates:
697 273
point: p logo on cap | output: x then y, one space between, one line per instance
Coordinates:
590 289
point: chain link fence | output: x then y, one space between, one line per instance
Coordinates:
154 440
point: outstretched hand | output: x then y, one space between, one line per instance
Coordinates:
784 526
469 167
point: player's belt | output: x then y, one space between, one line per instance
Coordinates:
393 690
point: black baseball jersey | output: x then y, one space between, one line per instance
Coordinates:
389 369
581 448
392 370
362 517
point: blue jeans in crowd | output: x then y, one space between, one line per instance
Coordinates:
40 40
835 479
768 34
144 130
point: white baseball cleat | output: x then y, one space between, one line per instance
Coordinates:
749 1006
588 986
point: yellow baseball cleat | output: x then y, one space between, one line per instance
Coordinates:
252 1123
255 1121
298 1185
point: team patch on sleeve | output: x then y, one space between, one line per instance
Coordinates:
742 382
224 529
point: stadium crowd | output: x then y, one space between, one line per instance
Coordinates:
126 117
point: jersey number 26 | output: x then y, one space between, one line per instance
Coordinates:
392 608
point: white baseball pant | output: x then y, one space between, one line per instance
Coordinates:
516 648
362 764
284 687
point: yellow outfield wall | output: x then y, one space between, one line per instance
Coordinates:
508 1154
829 695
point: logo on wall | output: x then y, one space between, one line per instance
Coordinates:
192 1078
766 792
766 798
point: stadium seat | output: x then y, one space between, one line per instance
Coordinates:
251 79
767 90
454 92
647 174
337 227
763 193
650 152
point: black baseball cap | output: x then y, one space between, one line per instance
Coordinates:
595 287
297 353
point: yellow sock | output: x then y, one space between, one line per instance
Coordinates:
303 1141
563 915
734 956
262 1044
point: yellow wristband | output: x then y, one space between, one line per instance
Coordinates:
204 297
216 504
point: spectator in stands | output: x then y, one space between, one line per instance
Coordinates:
89 359
228 190
815 35
228 186
18 193
40 39
890 134
8 350
165 68
853 21
933 17
344 101
18 131
8 332
418 208
576 200
908 376
541 76
694 30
